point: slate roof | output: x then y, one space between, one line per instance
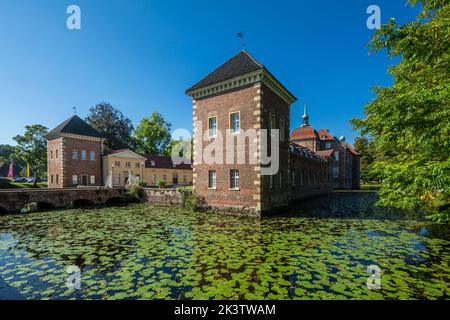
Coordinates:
74 125
240 64
164 162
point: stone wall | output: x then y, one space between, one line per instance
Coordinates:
163 196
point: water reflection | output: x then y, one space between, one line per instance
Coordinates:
142 252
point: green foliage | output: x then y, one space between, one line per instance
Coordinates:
150 252
134 191
162 183
32 148
152 135
112 124
368 156
191 200
410 120
143 184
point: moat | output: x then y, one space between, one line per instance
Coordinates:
318 250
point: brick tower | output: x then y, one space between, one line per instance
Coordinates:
240 95
74 155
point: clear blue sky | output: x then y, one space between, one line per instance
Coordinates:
141 56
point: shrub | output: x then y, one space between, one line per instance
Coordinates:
191 200
143 184
161 183
134 192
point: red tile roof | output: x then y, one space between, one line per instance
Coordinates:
351 149
324 134
304 133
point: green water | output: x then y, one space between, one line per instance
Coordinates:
149 252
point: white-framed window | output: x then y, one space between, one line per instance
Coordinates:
92 155
234 179
336 155
128 164
282 130
137 165
74 154
92 179
117 179
212 179
117 163
83 154
75 179
165 178
212 127
271 123
235 122
327 145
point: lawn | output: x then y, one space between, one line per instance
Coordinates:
8 184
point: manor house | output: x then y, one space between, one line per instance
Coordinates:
242 94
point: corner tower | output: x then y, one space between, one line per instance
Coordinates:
240 96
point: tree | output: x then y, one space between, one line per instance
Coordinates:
152 135
32 148
112 124
8 153
410 120
368 156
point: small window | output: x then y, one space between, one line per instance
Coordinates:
137 165
83 154
74 154
117 163
212 127
212 179
234 179
164 178
282 133
75 180
152 163
57 179
51 154
154 179
234 122
127 164
92 155
184 180
117 179
271 123
51 179
327 145
336 155
92 180
56 153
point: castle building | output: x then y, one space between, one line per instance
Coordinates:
78 157
346 163
74 155
238 96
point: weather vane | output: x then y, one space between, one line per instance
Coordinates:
75 110
241 35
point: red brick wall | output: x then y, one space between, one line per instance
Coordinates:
242 100
81 167
54 165
276 196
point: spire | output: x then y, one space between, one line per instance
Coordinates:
305 117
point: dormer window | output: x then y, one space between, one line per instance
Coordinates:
152 163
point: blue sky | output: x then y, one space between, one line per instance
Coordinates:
140 56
